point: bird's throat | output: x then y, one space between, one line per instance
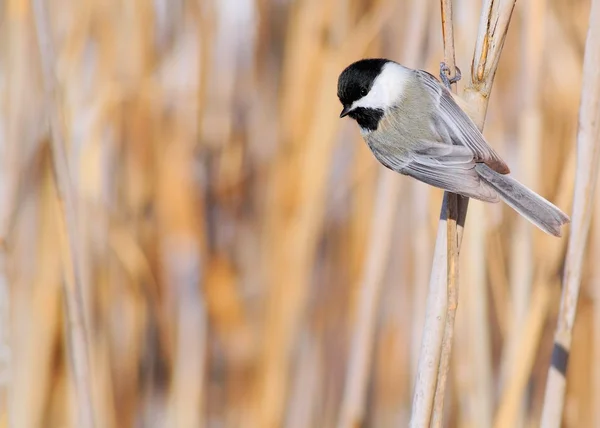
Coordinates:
367 118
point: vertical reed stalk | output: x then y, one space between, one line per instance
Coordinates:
588 156
452 245
76 326
493 27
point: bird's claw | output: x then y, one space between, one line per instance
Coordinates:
445 73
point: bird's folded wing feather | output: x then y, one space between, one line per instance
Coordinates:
459 127
441 165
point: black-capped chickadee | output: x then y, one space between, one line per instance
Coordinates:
414 126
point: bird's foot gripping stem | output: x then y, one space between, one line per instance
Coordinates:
445 73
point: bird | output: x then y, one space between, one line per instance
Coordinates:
415 126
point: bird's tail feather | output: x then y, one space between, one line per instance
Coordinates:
529 204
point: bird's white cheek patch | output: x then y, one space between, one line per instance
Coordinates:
387 88
375 99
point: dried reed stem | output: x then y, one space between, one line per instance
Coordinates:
493 26
76 326
588 156
383 219
452 246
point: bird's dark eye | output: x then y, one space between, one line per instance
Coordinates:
363 92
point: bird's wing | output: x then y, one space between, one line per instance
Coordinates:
455 124
448 167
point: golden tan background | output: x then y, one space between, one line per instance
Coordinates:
223 216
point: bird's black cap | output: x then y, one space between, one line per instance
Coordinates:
356 80
354 83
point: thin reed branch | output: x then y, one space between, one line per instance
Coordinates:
588 156
452 246
493 27
78 350
448 39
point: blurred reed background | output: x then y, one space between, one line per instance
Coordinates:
223 216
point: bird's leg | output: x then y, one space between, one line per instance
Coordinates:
445 72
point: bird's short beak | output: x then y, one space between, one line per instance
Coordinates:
345 111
